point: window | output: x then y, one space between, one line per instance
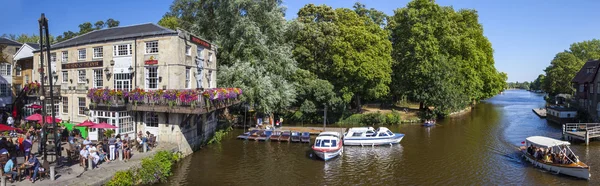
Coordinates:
208 78
151 119
123 81
210 57
357 134
152 47
98 52
26 78
592 88
56 107
65 76
199 77
581 88
5 69
4 90
98 79
65 56
199 52
81 106
81 78
151 77
65 105
18 71
383 134
125 124
18 88
187 77
53 57
82 54
188 50
122 50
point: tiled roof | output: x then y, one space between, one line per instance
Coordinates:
116 33
583 76
36 46
7 41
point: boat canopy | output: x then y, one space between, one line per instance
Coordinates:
335 134
542 141
361 129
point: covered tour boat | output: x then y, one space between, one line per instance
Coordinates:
554 156
328 145
370 136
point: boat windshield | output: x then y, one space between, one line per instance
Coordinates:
383 134
390 133
326 143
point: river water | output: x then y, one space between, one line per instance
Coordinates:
476 148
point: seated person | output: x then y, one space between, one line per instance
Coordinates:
102 154
83 156
9 168
35 166
126 151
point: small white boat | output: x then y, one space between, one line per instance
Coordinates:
328 145
565 162
369 136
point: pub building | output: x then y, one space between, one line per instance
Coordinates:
145 56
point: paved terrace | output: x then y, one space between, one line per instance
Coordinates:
76 175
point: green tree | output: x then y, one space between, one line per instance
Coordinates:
112 23
169 22
2 55
376 16
561 71
586 50
85 28
99 25
537 83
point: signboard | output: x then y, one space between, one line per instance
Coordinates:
200 42
151 61
89 64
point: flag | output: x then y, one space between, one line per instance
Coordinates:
523 142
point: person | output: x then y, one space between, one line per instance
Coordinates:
83 156
35 166
10 121
9 168
102 154
27 144
126 138
94 155
87 142
126 150
111 147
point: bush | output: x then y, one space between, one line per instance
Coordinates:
355 119
373 118
121 178
392 118
155 169
219 135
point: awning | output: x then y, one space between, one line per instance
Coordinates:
546 142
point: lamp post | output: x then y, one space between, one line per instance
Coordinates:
324 116
245 110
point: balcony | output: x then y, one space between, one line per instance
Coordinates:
37 91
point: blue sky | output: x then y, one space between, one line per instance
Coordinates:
525 35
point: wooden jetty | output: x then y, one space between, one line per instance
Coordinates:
581 131
311 130
541 112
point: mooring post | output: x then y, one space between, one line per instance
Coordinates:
587 137
145 146
3 180
90 163
120 154
564 130
52 173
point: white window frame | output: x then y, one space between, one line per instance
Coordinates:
18 71
200 52
148 78
81 77
81 54
151 47
188 78
65 56
98 78
4 89
3 69
151 119
26 78
98 52
56 106
188 50
65 105
122 81
8 69
125 48
65 76
53 57
81 107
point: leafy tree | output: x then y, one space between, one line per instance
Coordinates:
378 17
85 28
586 50
66 35
99 25
537 84
253 53
112 23
2 55
561 71
169 22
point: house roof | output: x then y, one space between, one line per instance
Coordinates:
10 42
583 76
35 46
116 33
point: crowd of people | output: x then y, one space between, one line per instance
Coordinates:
548 156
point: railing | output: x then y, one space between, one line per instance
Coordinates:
593 131
38 91
577 127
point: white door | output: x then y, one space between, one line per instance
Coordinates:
151 123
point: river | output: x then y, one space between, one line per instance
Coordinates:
477 148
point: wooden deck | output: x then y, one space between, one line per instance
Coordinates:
581 131
311 130
541 112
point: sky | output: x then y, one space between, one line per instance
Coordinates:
525 35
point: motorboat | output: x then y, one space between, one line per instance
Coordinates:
245 135
295 136
256 135
328 145
555 156
429 124
285 136
305 137
369 136
275 136
265 135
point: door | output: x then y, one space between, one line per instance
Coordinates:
151 123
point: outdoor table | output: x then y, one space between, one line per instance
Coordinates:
21 168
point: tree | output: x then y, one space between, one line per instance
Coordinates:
85 28
112 23
99 25
3 57
586 50
253 53
168 21
66 35
378 17
537 84
561 71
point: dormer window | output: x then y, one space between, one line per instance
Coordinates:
590 70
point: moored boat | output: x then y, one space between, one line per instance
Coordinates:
554 156
328 145
285 136
245 135
265 135
429 124
255 135
370 136
275 136
295 136
305 137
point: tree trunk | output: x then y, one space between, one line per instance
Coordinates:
358 105
421 106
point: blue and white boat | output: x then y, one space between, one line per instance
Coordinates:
369 136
